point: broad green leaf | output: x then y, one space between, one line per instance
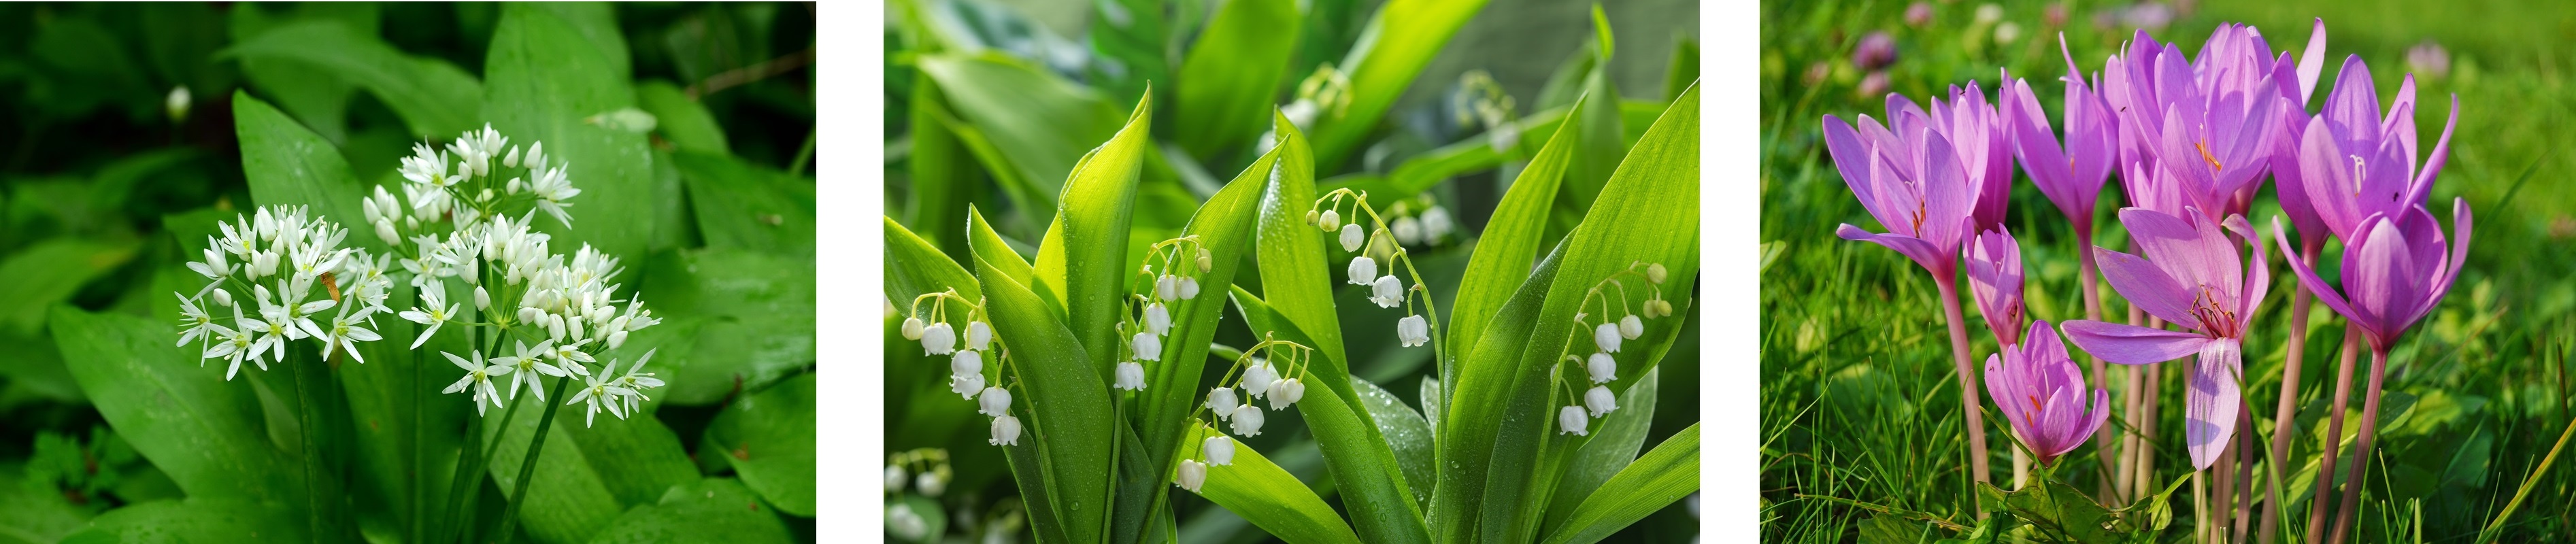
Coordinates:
35 512
944 175
1610 449
1598 141
673 226
209 435
741 205
195 519
1291 257
49 272
288 165
1270 498
392 398
1684 69
914 267
1511 240
1039 123
1084 255
990 250
768 437
1662 476
1069 417
759 312
547 80
1477 153
1363 466
1406 433
567 500
1470 415
1649 213
314 94
433 97
1231 75
709 510
1392 49
1127 46
681 119
593 24
644 455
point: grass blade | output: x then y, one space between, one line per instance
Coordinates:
1664 475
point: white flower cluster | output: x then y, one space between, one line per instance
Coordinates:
1260 379
464 194
965 366
285 248
1177 281
1603 367
1385 290
925 469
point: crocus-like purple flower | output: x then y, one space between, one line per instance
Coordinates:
1876 50
2354 163
1985 151
2070 175
1910 179
2429 58
2191 277
2394 270
1919 14
2041 391
2209 123
1994 276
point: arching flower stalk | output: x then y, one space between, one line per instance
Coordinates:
1602 367
967 375
1259 377
1169 276
1380 244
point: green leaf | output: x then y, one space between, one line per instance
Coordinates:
288 165
1664 475
433 97
1231 75
548 80
709 510
991 250
740 205
1037 124
50 272
1084 254
1270 498
196 519
1392 49
1406 433
681 119
313 93
1363 466
35 511
1610 449
1684 69
1291 256
1471 413
944 175
1477 153
759 311
1127 46
1069 418
1511 240
208 434
915 268
644 455
768 437
567 500
593 24
392 399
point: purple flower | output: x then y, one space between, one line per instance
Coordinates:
1910 179
1972 124
2192 277
2071 176
1994 276
2430 58
1918 15
1871 86
2394 270
2207 123
2355 163
1876 50
2041 391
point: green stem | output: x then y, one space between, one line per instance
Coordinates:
316 520
528 464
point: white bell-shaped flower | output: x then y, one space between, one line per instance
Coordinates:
1222 401
1247 420
895 477
1387 291
1006 431
1167 287
1219 450
930 484
1158 320
1436 223
1352 237
1570 420
905 523
966 362
1600 401
1363 269
1131 376
966 385
1606 337
1407 231
1192 475
1332 220
912 326
978 335
1257 378
1413 331
1189 288
1148 347
994 402
1602 367
1630 327
1285 392
938 339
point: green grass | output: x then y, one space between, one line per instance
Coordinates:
1859 397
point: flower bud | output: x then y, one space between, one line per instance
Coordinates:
1158 320
966 362
512 159
1600 401
994 401
1148 347
177 104
1207 260
905 523
1006 431
1412 331
483 301
1219 450
1362 270
1310 217
966 385
1285 392
894 478
1630 327
1247 420
1332 220
1606 337
1656 273
1191 476
1602 367
1222 402
1131 376
1352 237
617 339
1570 420
223 298
938 339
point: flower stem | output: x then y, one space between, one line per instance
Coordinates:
528 464
2085 283
2130 443
2334 431
1949 289
2361 453
2287 410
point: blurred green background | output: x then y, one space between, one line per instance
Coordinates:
100 145
1859 399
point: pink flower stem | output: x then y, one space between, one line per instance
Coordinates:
2334 430
2085 282
2130 443
2361 453
2288 409
1968 390
2149 419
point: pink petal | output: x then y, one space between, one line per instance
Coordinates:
2147 286
2212 401
1942 263
2308 275
2132 344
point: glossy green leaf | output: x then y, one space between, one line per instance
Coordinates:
991 250
1039 123
741 205
1392 49
944 175
708 510
768 437
1469 417
1363 466
914 268
209 435
1127 46
433 97
644 455
594 25
1407 434
1662 476
196 519
288 165
1599 144
682 120
39 276
1084 255
1068 420
759 312
1476 153
314 94
1684 69
1270 498
1291 256
1230 78
567 500
1610 449
547 79
1511 240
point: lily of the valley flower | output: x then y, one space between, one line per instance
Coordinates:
994 402
1630 327
1352 238
1600 401
1602 368
1006 431
979 335
1606 336
1387 292
1247 420
1222 402
1191 475
1131 376
1147 346
1412 331
966 362
1571 420
1219 450
1363 270
1258 376
1158 320
1285 392
938 339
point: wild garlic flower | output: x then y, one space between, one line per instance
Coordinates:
527 365
478 379
598 390
429 313
285 249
